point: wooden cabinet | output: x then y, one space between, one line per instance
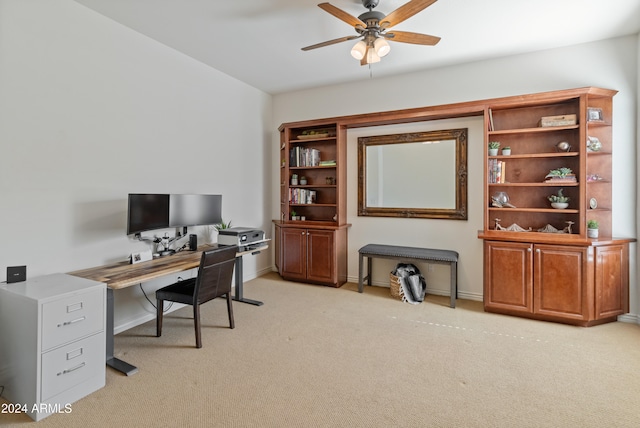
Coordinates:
311 234
52 342
539 261
312 255
582 285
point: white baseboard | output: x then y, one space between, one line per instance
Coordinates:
434 291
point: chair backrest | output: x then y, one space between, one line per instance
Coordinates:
215 273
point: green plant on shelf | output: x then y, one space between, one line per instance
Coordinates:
494 145
559 173
559 198
592 224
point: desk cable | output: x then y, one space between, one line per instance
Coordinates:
152 304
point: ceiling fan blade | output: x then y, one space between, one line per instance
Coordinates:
330 42
404 12
342 15
415 38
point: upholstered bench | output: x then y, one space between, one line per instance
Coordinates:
408 253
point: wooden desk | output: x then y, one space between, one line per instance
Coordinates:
123 275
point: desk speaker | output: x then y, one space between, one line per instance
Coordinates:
193 242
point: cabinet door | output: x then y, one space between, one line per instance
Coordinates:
294 253
560 286
320 263
508 276
611 281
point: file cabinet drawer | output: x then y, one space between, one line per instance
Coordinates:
72 364
73 317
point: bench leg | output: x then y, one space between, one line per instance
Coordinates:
360 279
454 284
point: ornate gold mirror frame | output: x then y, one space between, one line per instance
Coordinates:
419 175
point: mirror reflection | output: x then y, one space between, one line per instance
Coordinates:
419 174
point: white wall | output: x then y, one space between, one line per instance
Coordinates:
91 111
609 64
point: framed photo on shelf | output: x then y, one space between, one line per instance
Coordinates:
594 115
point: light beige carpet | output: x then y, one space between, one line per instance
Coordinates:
315 356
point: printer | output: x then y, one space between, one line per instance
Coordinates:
241 236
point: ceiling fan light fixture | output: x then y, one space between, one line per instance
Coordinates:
381 47
358 50
372 56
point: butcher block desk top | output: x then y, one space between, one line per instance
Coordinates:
124 274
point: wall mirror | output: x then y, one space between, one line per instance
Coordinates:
419 174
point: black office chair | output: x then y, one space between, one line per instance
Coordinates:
213 280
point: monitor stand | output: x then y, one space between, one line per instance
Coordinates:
166 253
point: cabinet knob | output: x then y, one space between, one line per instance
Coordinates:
529 250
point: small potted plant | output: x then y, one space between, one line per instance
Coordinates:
559 201
493 148
303 180
294 215
560 174
592 229
506 151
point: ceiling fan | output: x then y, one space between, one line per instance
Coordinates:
372 28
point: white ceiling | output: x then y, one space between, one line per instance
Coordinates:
259 41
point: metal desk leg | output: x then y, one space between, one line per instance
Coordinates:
239 284
112 361
369 264
454 284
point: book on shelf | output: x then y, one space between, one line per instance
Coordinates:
327 163
497 171
302 156
569 178
491 128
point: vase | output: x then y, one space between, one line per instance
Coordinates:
506 152
493 152
559 205
592 233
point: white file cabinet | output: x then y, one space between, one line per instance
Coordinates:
52 342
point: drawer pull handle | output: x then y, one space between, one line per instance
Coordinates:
72 369
72 321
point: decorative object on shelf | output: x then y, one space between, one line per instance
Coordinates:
594 177
562 120
330 180
313 133
513 228
550 229
559 201
506 151
593 144
560 174
592 229
563 146
493 148
302 218
501 200
593 203
294 180
294 215
303 180
594 115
